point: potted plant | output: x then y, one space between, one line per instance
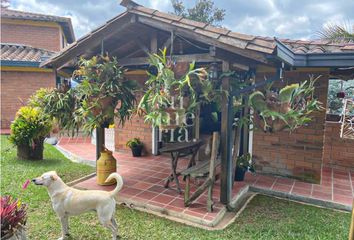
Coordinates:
136 146
103 93
244 163
28 132
170 95
288 108
13 215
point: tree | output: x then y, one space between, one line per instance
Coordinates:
338 33
203 11
5 3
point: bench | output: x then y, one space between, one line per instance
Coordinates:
203 170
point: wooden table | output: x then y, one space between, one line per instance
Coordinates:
180 149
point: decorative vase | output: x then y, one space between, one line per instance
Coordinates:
136 150
106 165
240 174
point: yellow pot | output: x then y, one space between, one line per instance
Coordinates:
105 165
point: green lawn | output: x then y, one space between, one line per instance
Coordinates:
264 217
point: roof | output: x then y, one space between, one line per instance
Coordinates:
16 54
64 22
238 43
245 41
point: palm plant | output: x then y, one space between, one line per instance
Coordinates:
337 33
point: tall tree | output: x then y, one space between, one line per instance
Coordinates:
338 33
202 11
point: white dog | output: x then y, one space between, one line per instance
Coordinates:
68 201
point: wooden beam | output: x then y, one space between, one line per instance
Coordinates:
168 42
200 57
90 41
153 42
260 57
226 141
142 46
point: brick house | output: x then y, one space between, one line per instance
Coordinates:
133 34
27 39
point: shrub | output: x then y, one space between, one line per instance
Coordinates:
13 216
30 124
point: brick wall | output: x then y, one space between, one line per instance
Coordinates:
35 36
338 153
20 85
134 128
297 154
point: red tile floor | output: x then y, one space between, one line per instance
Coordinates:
144 178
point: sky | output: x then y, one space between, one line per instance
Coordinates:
293 19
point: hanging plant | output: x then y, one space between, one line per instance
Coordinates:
289 108
168 98
103 94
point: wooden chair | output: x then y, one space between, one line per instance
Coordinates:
205 169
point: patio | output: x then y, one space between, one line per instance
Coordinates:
144 177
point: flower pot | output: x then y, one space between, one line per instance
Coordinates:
136 150
35 152
240 174
17 234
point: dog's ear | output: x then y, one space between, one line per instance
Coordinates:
54 177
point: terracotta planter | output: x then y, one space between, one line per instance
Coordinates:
35 152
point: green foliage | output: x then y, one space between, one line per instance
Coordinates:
288 109
245 162
202 11
275 219
168 97
102 95
335 104
134 142
29 125
337 33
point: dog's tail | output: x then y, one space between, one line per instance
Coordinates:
119 180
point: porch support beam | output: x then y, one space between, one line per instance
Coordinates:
192 35
226 141
200 57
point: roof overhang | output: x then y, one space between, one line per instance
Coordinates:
335 59
10 63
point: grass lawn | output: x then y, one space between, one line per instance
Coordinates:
264 217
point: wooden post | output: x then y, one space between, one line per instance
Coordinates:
226 143
100 141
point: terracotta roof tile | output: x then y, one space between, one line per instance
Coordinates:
241 36
207 33
218 30
145 9
16 52
163 19
193 23
233 41
167 16
182 25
